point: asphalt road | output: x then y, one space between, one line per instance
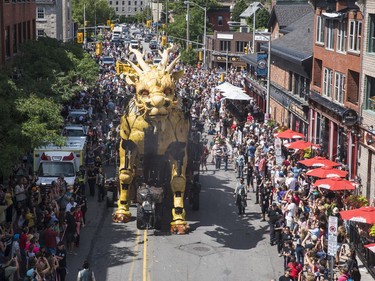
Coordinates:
220 246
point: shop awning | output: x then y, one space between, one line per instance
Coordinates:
232 92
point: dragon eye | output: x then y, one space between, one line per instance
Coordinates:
144 93
167 91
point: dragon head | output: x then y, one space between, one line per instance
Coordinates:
155 86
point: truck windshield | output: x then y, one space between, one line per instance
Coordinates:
74 133
56 169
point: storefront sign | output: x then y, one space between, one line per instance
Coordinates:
262 64
349 117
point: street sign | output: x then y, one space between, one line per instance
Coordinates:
261 38
332 235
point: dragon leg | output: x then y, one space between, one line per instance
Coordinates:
178 184
122 214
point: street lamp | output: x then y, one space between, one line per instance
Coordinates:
255 9
205 27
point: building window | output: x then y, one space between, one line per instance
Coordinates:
40 33
123 9
225 45
135 3
355 32
40 13
141 3
129 3
116 9
301 86
220 20
339 87
116 3
327 84
341 37
135 9
371 35
370 92
329 34
240 46
123 3
110 3
319 30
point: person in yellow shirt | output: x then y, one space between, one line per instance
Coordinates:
29 216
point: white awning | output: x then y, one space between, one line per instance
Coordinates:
332 15
232 92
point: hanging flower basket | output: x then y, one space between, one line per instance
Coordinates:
355 201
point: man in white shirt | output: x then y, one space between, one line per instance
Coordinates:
70 205
291 182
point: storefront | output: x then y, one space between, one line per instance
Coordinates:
334 127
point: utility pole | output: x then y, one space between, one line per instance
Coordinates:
187 26
84 25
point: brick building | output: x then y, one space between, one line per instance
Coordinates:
334 97
226 49
219 18
17 24
290 66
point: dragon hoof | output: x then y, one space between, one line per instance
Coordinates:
180 228
121 216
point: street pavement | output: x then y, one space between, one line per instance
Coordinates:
220 246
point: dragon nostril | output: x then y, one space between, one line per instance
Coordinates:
167 103
148 104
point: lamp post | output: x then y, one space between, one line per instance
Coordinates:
187 24
204 28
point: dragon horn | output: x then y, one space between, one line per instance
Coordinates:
173 63
136 68
164 60
140 60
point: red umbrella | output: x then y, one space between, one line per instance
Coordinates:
318 161
363 214
371 247
335 184
300 144
327 172
289 134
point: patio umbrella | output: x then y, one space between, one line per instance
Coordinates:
318 161
363 214
289 134
300 144
371 247
335 184
327 172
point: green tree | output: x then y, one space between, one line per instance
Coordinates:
238 9
262 17
97 11
189 56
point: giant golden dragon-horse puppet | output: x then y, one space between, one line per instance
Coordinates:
155 125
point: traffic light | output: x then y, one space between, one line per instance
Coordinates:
222 77
163 26
98 49
79 37
164 41
108 22
246 50
112 26
200 55
148 23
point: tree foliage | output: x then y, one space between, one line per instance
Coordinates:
238 9
45 73
189 57
97 11
262 17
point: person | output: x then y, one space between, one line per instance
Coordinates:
204 157
353 266
240 195
344 274
286 276
265 199
100 184
240 165
86 274
250 176
70 230
273 214
91 180
10 266
50 238
61 258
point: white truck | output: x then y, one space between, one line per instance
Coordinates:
51 161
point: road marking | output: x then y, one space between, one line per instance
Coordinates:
145 255
135 250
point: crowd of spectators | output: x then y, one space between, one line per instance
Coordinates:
296 210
